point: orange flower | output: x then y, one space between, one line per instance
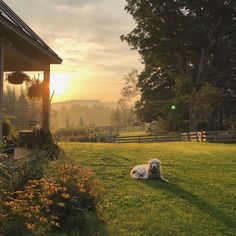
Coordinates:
30 226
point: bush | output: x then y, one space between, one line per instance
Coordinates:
32 167
42 140
9 130
59 201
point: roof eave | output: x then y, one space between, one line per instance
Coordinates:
54 58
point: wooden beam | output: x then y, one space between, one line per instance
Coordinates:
1 88
46 98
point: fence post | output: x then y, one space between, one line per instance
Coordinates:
204 136
201 135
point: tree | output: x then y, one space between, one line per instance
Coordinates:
67 121
22 109
130 89
184 46
115 117
10 101
81 123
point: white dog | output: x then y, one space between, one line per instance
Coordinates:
150 171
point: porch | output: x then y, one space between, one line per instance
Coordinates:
21 49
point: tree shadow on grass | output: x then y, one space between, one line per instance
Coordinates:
196 201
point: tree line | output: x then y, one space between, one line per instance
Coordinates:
19 108
79 116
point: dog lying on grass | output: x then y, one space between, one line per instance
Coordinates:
152 170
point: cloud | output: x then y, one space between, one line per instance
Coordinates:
86 34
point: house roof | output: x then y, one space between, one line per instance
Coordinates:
24 42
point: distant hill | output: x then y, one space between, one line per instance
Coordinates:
82 102
68 114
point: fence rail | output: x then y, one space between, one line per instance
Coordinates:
147 139
228 136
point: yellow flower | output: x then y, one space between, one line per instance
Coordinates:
57 224
49 202
43 219
65 195
30 226
27 215
61 204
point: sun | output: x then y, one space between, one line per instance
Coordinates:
59 84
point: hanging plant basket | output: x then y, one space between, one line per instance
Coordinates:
17 77
35 90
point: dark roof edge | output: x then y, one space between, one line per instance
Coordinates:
31 36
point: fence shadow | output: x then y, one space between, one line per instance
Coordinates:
196 201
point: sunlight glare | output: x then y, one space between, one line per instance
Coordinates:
59 83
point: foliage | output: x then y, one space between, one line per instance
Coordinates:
28 168
158 126
81 123
17 105
35 89
81 135
184 45
3 173
56 202
68 116
123 116
71 131
116 117
206 101
130 89
42 139
9 130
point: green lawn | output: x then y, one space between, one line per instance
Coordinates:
200 200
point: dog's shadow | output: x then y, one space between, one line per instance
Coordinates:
194 200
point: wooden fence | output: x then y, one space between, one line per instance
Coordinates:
147 138
228 136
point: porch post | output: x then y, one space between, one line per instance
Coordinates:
46 98
1 89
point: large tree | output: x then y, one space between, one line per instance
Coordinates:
187 47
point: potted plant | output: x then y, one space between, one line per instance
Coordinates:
35 89
17 77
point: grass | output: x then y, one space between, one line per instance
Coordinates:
200 200
133 133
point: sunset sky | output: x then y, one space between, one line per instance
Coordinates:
86 35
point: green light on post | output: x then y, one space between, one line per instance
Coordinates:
173 107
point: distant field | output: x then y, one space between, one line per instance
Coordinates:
133 133
200 200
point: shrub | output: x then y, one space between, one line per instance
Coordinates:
32 167
84 191
42 139
9 130
33 209
59 201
